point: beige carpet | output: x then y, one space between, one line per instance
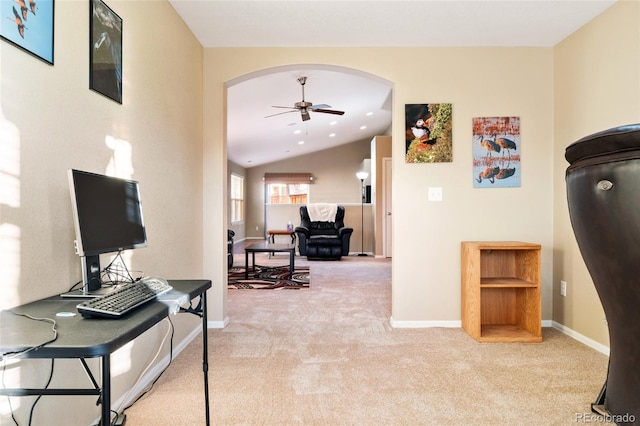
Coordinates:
328 356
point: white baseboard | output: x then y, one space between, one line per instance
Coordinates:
218 324
545 323
581 338
424 324
154 371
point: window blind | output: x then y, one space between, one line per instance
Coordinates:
288 178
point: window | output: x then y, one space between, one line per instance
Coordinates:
282 193
287 188
237 198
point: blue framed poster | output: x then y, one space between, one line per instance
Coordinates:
28 24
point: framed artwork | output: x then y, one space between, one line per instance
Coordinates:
428 133
105 51
29 26
496 152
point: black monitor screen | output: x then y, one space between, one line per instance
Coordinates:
107 213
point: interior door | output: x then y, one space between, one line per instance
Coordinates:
386 207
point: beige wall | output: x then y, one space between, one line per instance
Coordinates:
334 180
50 121
427 235
174 120
333 170
597 86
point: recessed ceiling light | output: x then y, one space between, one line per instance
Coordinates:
332 135
363 127
300 142
333 123
369 113
297 132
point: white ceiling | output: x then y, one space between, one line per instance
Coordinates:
254 139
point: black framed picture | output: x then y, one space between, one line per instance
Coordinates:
105 51
29 26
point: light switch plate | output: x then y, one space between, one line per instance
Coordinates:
435 193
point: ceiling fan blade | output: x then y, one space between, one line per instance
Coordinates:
329 111
320 106
280 113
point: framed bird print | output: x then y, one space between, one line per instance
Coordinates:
428 133
105 51
28 25
496 152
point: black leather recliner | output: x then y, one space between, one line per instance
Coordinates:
603 193
323 240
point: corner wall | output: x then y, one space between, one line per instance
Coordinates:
596 87
49 122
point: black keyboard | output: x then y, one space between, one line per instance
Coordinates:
119 302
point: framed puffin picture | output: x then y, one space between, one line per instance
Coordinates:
29 26
428 133
105 51
496 152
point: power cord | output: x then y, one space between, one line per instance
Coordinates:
197 311
14 354
10 355
115 273
33 406
150 387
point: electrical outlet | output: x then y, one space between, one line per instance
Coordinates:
257 228
563 288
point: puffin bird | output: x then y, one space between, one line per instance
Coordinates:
420 130
18 21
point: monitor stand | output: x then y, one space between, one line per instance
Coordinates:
91 283
88 294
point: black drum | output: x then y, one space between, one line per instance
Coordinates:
603 192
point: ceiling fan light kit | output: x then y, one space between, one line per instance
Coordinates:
304 107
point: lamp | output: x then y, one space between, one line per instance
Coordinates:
362 176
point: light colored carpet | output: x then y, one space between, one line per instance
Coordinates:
328 356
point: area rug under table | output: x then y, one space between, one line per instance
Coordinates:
269 278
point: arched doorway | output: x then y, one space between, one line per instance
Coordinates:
257 133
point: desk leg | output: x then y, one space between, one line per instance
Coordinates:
106 391
205 356
292 255
246 265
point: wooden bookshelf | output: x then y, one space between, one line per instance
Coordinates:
501 291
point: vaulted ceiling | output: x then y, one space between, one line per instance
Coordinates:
254 139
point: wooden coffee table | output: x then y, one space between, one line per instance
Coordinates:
268 248
271 235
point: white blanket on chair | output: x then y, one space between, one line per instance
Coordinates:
322 212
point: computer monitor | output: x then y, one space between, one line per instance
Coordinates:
107 216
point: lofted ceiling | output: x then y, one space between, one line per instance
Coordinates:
254 140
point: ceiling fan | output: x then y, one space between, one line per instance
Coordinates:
304 107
